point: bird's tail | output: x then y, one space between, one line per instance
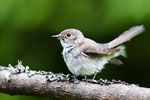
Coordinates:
121 52
126 36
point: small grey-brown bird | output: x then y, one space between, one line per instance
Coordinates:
85 57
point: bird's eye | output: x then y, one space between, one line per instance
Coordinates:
68 35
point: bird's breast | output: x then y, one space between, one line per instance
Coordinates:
72 59
79 64
69 53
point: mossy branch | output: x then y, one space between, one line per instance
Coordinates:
20 80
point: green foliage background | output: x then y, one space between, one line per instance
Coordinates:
26 27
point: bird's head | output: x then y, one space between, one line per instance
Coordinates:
70 37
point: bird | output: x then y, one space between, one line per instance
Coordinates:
85 57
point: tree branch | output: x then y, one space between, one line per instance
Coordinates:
22 81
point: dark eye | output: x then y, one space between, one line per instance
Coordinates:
68 35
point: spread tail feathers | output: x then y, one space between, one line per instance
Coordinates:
126 36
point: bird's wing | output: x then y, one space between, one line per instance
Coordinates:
93 49
96 54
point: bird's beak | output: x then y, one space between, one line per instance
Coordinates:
58 36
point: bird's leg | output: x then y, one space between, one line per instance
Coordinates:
93 79
94 76
85 78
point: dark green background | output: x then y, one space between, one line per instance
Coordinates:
26 27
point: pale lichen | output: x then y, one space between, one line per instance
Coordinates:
50 76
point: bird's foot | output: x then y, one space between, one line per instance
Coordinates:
91 80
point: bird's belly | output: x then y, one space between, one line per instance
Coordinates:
81 65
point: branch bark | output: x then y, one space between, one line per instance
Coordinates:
37 85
